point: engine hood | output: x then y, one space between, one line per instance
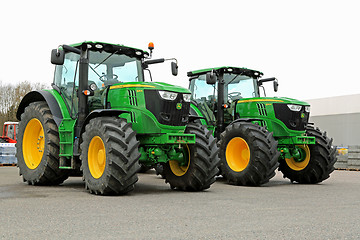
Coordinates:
274 100
151 85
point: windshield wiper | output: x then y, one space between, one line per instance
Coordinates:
94 70
105 59
234 78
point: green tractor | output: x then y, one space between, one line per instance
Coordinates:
102 120
259 134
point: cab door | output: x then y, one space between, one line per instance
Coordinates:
67 79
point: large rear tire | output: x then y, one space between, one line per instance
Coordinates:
248 154
37 147
201 168
317 164
109 155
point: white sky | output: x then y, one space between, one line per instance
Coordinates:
312 47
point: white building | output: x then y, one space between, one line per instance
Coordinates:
339 117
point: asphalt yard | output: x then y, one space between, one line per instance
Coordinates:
277 210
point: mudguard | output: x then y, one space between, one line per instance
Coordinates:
193 118
103 113
246 120
41 95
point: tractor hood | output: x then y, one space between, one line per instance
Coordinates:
274 100
151 85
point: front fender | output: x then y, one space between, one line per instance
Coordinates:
102 113
246 120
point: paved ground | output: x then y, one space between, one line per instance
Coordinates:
278 210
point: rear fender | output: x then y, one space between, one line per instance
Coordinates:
41 95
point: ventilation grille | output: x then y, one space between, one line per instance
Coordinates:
132 97
263 124
262 109
133 117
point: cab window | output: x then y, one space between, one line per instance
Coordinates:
67 79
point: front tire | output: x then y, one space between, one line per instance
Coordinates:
318 163
37 148
109 155
202 161
248 154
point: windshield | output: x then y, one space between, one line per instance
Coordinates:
105 69
110 68
201 91
236 87
239 86
205 96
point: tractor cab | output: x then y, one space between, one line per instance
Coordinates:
108 65
236 83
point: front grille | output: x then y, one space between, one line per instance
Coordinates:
167 112
293 120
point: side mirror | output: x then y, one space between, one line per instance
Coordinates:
210 78
276 86
57 57
174 68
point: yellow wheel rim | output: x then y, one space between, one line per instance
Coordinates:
176 168
298 166
96 157
33 143
237 154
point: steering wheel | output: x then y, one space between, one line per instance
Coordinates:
105 77
234 95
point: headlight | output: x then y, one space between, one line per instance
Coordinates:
307 108
168 95
186 97
295 108
93 86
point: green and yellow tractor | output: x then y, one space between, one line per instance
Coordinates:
102 120
257 134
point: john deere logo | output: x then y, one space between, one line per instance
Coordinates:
178 106
302 115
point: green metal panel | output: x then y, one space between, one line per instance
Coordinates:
169 138
200 114
143 121
295 140
263 108
158 142
66 128
208 120
66 134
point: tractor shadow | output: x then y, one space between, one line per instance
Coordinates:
276 181
148 183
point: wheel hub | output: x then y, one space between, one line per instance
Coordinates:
33 143
300 159
178 168
96 157
237 154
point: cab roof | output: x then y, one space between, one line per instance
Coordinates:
112 48
235 70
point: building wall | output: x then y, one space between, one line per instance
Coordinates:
339 117
343 128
